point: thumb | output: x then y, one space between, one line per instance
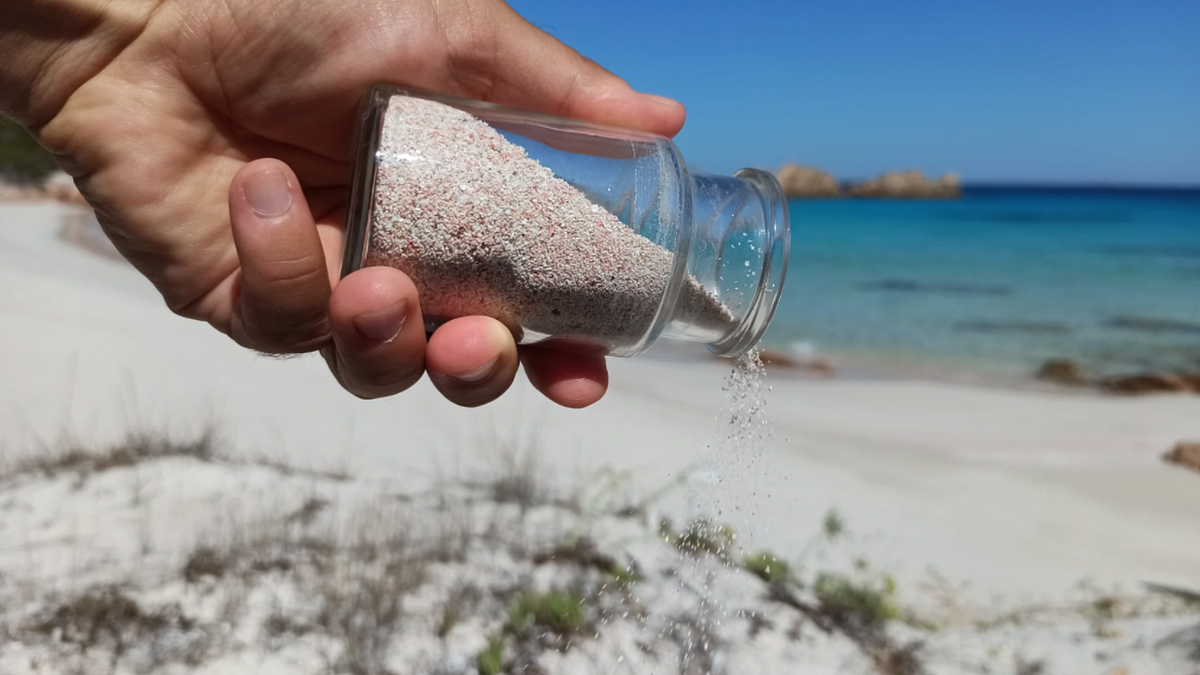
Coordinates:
505 59
282 304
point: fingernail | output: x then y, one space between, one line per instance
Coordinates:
478 374
268 193
662 100
381 325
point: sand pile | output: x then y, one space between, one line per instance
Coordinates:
484 229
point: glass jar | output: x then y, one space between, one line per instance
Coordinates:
569 233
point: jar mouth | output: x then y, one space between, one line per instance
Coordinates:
777 247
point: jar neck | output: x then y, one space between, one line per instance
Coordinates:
738 252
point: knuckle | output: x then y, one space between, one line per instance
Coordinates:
297 276
284 331
285 307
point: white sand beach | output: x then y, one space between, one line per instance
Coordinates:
1012 497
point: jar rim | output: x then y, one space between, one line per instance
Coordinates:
777 252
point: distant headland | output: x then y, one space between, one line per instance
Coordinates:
804 182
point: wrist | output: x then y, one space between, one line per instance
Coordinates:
49 48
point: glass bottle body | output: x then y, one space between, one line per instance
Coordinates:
569 233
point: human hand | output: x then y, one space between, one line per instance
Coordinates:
213 137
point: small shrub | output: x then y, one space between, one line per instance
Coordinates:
1027 667
557 611
856 603
104 616
1101 613
454 532
584 552
891 659
766 566
362 599
833 526
363 615
460 603
280 629
205 562
450 619
518 478
666 529
490 660
624 577
705 537
108 618
308 511
698 644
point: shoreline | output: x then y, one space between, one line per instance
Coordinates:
879 367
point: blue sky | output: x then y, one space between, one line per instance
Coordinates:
1015 91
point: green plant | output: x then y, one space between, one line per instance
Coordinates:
833 526
768 567
624 577
866 603
705 537
556 611
666 529
490 660
1100 613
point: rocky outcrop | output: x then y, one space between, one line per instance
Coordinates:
1070 373
805 181
1062 371
1153 383
784 360
1185 454
908 185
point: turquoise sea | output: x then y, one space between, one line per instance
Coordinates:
998 281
